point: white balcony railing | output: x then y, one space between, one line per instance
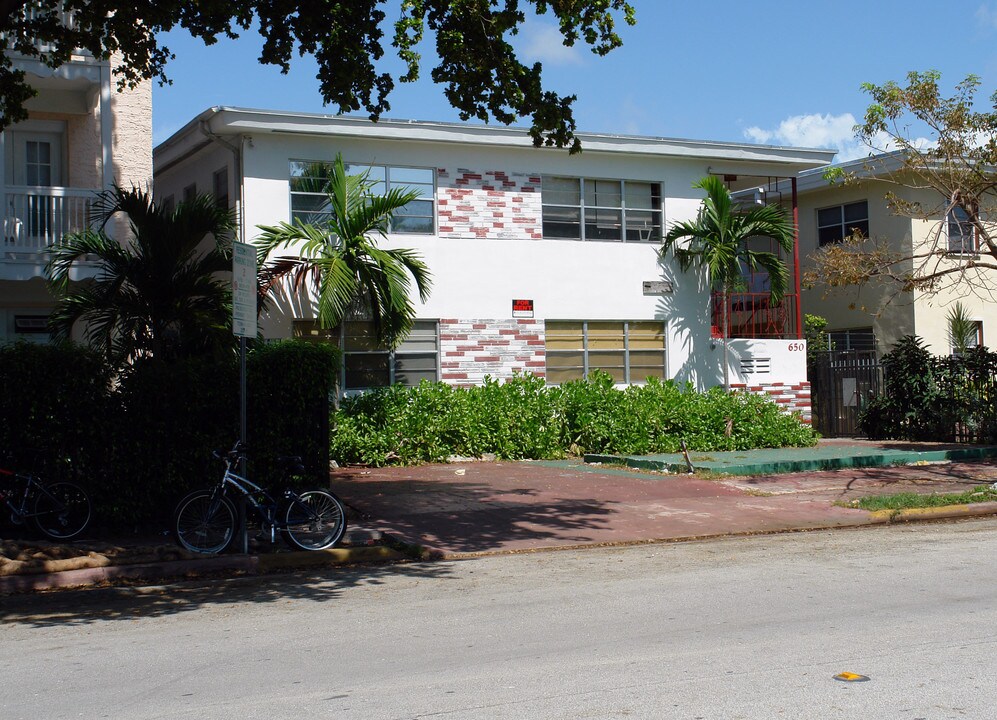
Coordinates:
67 19
38 217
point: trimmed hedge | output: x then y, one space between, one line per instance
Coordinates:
138 443
524 418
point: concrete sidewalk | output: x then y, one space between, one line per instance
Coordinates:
468 509
462 510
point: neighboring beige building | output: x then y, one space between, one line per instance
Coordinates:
81 136
875 315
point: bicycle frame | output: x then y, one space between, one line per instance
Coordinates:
31 485
249 491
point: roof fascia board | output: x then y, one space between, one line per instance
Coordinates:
238 121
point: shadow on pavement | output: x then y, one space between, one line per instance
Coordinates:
467 516
84 607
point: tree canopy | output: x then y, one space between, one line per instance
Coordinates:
478 67
935 158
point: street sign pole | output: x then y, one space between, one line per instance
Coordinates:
243 326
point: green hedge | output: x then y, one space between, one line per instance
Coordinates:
934 398
523 418
141 441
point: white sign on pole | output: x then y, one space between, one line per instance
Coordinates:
244 290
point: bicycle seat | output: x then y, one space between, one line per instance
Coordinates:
292 462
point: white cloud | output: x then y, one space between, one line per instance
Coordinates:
546 44
987 15
824 131
835 132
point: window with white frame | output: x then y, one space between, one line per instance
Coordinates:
972 339
609 210
310 203
190 192
367 364
961 233
630 351
834 224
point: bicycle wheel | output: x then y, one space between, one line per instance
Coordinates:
315 520
205 522
61 510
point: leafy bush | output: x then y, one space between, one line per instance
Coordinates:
523 418
927 397
54 401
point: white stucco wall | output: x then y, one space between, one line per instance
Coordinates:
476 273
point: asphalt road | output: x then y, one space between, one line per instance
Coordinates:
736 628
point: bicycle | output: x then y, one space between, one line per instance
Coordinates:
206 521
59 510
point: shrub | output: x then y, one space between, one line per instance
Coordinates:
927 397
54 401
141 443
523 418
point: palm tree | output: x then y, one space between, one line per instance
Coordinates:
717 241
156 294
343 261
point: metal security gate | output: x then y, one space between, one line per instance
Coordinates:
841 384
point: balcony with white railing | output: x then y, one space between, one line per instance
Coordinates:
17 44
36 218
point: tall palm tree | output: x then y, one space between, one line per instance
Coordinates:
717 241
343 261
158 293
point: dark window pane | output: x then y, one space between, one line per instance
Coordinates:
856 211
366 371
829 216
603 224
860 227
411 369
829 235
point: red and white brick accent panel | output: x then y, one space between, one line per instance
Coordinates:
488 204
792 398
471 349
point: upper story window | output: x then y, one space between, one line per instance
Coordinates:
836 223
309 202
611 210
219 187
961 233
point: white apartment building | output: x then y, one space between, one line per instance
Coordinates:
542 261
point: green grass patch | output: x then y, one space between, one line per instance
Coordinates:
902 501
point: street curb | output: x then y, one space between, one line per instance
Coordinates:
943 512
248 564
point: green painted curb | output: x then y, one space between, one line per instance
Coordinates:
738 464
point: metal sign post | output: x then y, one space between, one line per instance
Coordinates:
243 326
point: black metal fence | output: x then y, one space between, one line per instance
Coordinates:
842 382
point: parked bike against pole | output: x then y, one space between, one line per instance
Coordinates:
206 521
59 510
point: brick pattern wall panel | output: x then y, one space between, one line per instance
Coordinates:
791 398
488 204
472 349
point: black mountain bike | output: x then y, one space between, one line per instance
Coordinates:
206 521
59 510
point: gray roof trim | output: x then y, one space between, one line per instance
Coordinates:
242 121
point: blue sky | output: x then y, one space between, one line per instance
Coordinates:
785 73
